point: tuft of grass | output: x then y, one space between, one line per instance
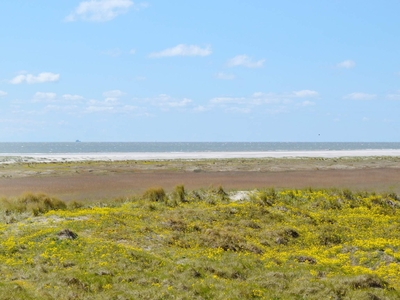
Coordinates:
180 193
156 194
33 203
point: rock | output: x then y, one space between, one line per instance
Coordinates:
67 234
306 259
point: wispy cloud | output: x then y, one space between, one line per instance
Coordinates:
231 100
62 108
225 76
305 93
132 51
70 97
110 105
182 50
272 102
166 101
102 10
393 96
40 78
40 96
201 108
242 110
307 103
52 97
346 64
2 93
245 61
360 96
113 94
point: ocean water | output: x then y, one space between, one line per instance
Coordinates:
183 147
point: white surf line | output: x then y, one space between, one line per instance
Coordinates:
69 157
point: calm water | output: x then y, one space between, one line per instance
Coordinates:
185 147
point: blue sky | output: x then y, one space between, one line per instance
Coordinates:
121 70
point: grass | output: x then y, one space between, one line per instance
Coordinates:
278 244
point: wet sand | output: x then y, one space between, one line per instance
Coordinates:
101 180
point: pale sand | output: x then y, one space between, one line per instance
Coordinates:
35 157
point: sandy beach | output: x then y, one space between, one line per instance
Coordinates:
119 156
70 178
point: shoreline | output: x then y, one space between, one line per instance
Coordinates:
9 158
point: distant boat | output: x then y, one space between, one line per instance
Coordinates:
77 141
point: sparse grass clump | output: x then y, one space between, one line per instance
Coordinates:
279 244
155 194
33 203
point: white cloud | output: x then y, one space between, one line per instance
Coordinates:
182 50
93 108
65 108
111 100
307 103
388 121
230 100
359 96
110 105
255 100
393 96
2 93
40 78
166 102
132 51
52 97
305 93
40 96
347 64
101 10
128 108
225 76
239 110
201 108
113 94
245 61
267 102
258 94
70 97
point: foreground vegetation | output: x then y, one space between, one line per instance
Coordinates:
204 244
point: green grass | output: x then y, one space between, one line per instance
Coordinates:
278 244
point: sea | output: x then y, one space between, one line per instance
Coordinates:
129 147
77 151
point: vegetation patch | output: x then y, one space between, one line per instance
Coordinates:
271 244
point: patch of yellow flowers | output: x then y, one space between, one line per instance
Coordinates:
319 234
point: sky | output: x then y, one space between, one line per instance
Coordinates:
196 71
